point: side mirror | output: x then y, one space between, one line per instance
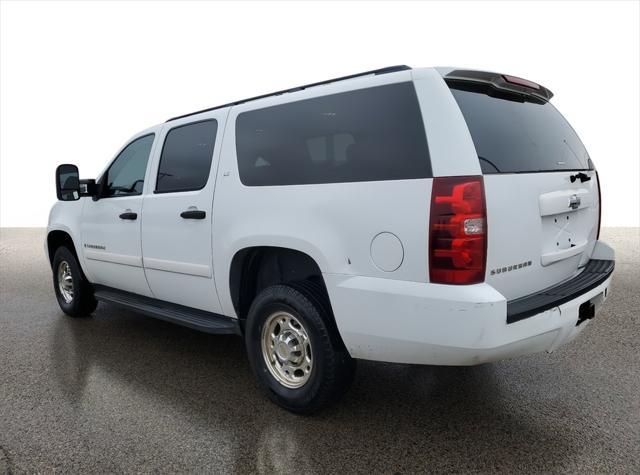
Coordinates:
67 182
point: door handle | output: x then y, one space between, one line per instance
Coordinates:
193 214
129 215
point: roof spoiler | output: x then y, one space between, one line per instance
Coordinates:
501 82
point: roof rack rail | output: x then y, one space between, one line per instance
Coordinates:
389 69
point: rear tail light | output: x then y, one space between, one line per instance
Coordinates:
457 230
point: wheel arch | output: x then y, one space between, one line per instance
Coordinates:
62 237
257 267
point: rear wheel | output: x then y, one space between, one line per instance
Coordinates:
294 349
73 291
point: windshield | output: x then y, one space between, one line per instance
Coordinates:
514 134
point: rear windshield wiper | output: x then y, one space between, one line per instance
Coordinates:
582 176
489 162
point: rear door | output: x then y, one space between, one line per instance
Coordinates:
541 190
177 215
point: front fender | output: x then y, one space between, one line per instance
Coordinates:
66 216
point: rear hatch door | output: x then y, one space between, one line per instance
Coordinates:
541 189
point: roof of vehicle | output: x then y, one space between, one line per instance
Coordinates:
388 69
449 74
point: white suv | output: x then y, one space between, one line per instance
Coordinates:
427 216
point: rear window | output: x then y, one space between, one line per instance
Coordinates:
364 135
514 135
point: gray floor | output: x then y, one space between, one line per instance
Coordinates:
120 392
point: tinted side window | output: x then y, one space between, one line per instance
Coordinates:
364 135
186 157
514 135
125 176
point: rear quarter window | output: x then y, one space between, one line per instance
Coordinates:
364 135
514 134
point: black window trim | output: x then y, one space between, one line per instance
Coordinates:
105 175
213 153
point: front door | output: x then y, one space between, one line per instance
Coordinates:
111 225
176 229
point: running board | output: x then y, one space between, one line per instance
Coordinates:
200 320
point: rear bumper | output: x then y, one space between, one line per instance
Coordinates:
595 273
418 323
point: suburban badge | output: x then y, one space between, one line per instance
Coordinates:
502 270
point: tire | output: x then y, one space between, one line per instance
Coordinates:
331 367
80 302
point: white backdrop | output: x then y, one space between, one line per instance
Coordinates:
77 79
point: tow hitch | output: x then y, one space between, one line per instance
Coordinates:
586 311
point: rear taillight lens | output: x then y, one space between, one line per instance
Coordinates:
457 230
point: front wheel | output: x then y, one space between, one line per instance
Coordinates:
294 349
73 291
